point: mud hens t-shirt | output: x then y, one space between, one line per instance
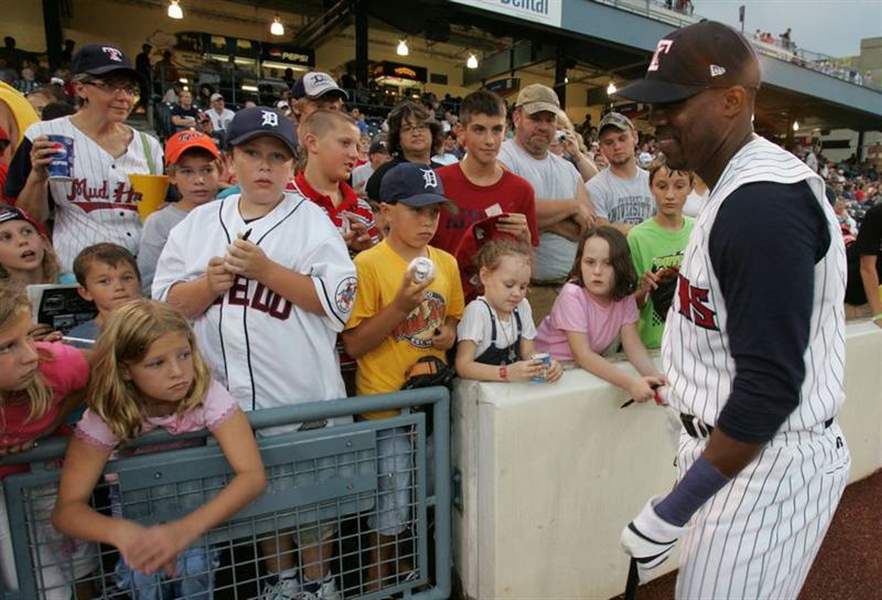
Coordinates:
98 204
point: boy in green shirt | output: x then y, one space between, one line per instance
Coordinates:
657 247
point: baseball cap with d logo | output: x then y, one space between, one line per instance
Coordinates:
695 58
412 184
250 123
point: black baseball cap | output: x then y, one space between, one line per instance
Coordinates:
412 184
689 60
261 120
316 84
101 59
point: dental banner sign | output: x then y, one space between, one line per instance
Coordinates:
546 12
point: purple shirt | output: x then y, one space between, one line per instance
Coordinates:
575 310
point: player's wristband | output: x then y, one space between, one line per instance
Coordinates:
503 373
701 481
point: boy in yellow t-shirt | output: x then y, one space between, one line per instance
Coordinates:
396 321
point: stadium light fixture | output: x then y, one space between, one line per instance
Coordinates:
796 126
277 28
174 10
611 89
472 62
402 49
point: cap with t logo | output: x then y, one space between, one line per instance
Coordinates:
101 59
695 58
250 123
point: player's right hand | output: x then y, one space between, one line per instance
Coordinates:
42 151
219 278
411 293
649 539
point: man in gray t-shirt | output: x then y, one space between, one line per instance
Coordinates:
620 193
563 211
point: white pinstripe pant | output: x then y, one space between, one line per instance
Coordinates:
758 536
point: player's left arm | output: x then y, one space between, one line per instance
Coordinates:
769 306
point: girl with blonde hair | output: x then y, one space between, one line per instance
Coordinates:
496 332
26 255
149 375
39 382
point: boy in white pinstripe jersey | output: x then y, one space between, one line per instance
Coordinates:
754 346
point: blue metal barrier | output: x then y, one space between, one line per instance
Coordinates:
327 481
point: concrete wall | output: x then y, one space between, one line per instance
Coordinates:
551 474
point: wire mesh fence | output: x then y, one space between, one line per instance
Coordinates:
359 510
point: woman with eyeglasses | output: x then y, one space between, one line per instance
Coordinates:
414 136
97 202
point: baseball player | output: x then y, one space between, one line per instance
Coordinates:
754 347
97 203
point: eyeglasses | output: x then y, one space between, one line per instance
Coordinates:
129 89
413 128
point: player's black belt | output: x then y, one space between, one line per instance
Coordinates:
697 428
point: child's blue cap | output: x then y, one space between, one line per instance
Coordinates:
250 123
412 184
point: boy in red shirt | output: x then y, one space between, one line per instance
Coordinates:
478 185
330 141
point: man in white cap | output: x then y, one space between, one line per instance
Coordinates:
314 91
563 211
220 116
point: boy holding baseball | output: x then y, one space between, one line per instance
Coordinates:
401 315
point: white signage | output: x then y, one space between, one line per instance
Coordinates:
547 12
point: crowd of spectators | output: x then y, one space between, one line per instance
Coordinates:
540 236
